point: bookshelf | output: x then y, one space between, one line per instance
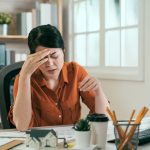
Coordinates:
16 45
17 6
13 38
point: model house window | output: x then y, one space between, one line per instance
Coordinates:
106 37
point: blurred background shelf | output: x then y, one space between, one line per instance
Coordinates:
13 38
28 14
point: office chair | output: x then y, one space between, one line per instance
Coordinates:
7 76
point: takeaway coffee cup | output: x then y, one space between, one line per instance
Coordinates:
99 124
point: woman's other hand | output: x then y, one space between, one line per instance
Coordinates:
101 102
89 83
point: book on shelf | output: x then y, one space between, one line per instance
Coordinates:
54 14
12 56
8 57
24 23
34 17
44 13
47 14
20 57
2 55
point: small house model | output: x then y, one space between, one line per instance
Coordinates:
37 138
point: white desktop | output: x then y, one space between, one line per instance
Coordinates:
67 132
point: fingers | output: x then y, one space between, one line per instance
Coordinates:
39 52
89 87
39 56
94 87
84 81
34 61
41 62
89 83
43 54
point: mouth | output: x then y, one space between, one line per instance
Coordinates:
51 70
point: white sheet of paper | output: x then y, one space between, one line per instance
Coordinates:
62 132
5 140
12 134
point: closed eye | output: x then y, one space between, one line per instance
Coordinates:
45 57
54 55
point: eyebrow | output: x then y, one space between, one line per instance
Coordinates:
54 54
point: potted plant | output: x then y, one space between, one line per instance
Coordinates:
5 19
82 133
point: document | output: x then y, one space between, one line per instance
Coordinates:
62 131
5 140
12 134
66 132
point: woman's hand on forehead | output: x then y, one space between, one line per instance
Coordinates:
53 50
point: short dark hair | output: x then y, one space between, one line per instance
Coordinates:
45 35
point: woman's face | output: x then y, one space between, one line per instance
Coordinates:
51 69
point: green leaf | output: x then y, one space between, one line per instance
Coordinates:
5 18
82 125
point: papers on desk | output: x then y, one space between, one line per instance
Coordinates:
64 131
5 140
9 136
12 134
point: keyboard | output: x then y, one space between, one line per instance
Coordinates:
144 137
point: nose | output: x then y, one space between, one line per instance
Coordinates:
50 61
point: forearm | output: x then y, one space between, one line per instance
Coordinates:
101 101
22 111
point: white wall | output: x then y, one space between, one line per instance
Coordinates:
127 95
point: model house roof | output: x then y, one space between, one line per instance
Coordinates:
37 133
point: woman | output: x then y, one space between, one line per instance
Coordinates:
47 90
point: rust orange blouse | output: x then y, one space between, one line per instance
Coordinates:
61 106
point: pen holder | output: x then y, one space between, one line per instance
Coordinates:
126 135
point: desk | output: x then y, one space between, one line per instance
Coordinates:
109 146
